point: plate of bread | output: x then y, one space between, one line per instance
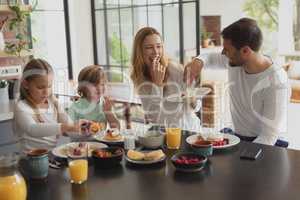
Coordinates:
110 136
145 157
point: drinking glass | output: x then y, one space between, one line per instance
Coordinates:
78 167
173 134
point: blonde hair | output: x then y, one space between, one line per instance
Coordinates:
91 74
139 72
35 68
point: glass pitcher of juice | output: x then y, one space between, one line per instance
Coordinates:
12 183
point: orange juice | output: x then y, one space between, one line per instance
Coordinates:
13 188
78 170
173 138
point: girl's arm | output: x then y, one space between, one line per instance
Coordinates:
110 116
24 119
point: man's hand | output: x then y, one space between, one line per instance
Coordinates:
192 71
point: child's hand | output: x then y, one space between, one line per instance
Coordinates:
108 104
84 126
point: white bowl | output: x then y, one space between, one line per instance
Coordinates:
152 139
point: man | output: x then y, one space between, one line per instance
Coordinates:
258 89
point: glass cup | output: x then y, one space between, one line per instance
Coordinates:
129 139
78 167
173 137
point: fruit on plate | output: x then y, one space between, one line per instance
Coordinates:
135 155
112 135
222 142
187 160
96 127
79 149
217 139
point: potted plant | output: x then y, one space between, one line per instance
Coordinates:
205 38
3 91
18 25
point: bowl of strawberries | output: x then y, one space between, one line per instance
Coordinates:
188 162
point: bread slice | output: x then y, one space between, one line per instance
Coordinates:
135 155
154 155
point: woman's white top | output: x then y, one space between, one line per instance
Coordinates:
35 134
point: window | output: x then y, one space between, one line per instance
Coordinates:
49 26
117 21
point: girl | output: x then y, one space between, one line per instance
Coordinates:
155 77
38 120
92 105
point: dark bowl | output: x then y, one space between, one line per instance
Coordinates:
114 160
191 166
204 148
202 144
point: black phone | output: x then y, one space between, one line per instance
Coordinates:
250 152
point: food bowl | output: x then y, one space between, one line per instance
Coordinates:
188 162
152 139
204 147
107 157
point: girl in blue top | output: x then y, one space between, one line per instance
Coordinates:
92 105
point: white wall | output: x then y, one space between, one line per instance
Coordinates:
81 34
230 10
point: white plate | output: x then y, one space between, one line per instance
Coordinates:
145 162
233 140
100 137
198 93
62 151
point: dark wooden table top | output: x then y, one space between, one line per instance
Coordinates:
274 175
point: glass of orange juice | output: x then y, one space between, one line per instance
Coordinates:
78 167
173 135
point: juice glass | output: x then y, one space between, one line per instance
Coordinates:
78 165
173 137
78 169
12 184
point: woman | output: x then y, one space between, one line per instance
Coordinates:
155 77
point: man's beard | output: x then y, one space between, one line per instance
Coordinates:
238 63
231 64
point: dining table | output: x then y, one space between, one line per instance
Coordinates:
274 175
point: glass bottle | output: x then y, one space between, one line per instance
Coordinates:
12 183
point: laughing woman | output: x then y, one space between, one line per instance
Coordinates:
155 77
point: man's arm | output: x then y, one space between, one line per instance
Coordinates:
211 60
274 117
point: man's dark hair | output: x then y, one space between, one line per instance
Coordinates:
244 32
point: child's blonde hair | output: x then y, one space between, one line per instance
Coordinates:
33 69
92 74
